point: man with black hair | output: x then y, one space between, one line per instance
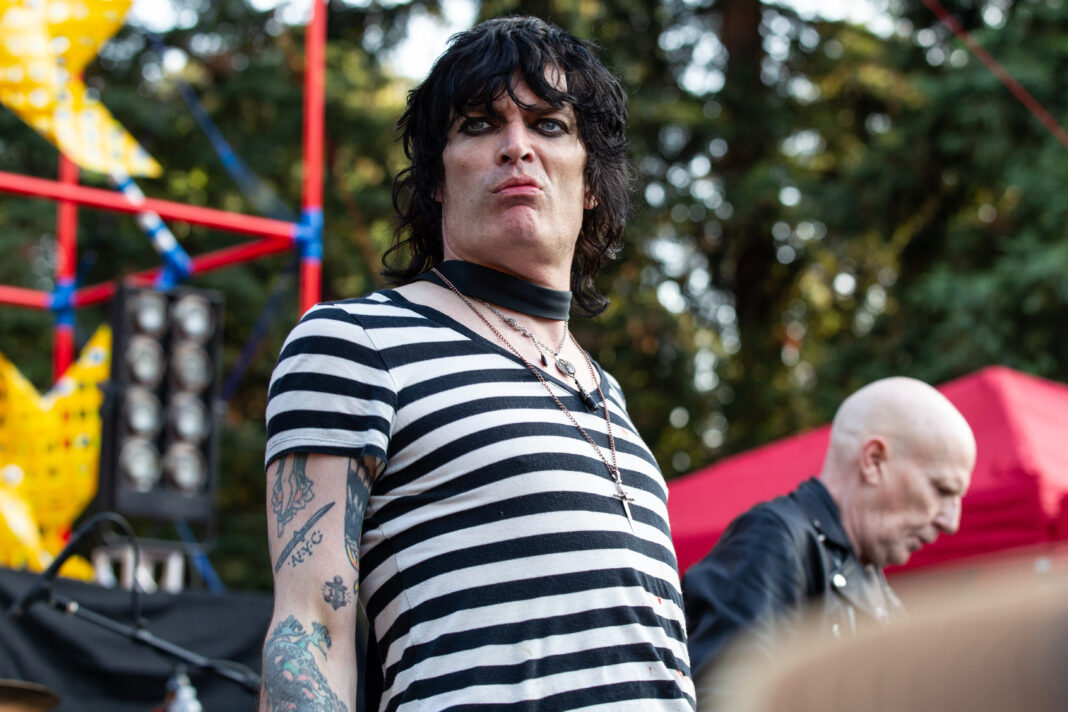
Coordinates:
446 452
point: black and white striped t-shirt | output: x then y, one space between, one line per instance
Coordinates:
496 566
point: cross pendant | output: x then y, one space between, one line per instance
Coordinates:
625 499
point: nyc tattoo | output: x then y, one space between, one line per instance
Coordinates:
304 551
302 539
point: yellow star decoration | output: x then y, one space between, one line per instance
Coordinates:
49 452
44 47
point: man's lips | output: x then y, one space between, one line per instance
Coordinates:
921 541
518 186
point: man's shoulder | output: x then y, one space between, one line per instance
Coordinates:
804 507
362 322
762 525
763 543
380 308
379 299
782 519
784 510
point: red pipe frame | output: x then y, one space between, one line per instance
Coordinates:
21 297
277 235
116 201
66 255
207 262
314 130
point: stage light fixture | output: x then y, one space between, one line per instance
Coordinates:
188 417
144 414
191 367
164 383
149 310
144 358
139 464
192 318
184 467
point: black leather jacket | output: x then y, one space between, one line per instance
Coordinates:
769 563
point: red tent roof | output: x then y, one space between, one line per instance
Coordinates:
1016 498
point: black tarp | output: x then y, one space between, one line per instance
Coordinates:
93 669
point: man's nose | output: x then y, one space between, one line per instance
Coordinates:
515 143
948 519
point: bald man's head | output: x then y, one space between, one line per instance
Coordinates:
899 462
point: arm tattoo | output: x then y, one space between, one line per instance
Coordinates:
292 490
301 539
291 676
358 490
335 593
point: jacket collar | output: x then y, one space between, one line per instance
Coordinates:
816 502
862 586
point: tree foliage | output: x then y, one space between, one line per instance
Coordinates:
817 204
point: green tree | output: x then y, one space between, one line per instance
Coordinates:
816 205
980 270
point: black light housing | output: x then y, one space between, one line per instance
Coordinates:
158 445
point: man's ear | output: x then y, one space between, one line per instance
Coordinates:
590 201
873 455
436 195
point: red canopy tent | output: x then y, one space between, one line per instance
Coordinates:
1018 495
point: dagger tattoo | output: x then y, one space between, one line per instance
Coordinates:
298 536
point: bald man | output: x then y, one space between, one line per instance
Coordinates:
899 461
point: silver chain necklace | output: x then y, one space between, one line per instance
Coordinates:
563 365
613 470
514 323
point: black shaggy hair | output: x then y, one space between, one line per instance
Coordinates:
476 69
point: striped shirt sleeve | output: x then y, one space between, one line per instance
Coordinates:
330 392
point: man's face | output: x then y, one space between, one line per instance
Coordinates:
918 497
514 190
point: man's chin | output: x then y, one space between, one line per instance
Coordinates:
896 557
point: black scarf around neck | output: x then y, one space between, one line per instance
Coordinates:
503 289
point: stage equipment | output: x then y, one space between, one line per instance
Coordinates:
158 444
43 583
43 588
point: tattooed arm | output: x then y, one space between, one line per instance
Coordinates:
315 513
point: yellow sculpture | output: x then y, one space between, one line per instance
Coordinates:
20 537
44 47
49 453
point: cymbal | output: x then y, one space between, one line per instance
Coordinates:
22 696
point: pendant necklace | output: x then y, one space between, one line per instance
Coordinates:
562 364
613 470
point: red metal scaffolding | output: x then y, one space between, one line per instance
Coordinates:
274 236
